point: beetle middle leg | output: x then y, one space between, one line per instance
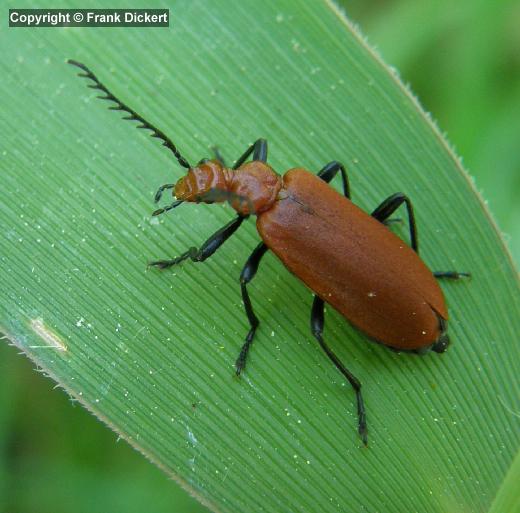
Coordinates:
389 206
207 249
328 172
247 274
317 325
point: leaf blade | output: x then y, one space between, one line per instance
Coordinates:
133 314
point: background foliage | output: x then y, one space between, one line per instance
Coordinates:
462 60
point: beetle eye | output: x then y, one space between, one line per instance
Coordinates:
202 161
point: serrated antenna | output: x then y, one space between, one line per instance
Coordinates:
133 115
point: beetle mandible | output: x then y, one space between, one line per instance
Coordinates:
348 258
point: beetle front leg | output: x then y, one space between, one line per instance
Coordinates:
247 274
328 172
317 325
389 206
207 249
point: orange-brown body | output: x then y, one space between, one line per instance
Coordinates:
348 258
354 263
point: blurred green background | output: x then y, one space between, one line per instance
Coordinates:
462 59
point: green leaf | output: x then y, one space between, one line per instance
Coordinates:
151 353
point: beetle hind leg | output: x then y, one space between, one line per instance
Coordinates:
317 325
247 274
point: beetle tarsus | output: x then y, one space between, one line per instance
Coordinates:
164 264
240 363
451 275
362 425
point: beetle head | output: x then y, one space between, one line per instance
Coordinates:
196 185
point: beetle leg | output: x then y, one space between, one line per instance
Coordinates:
389 206
247 274
452 275
259 151
207 249
317 325
328 172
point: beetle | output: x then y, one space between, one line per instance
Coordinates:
349 259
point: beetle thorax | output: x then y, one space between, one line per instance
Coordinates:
255 186
250 189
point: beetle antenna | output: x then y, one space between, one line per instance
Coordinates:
133 115
160 211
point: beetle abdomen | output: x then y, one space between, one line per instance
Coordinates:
354 263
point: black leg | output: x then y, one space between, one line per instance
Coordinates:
329 172
259 151
247 274
317 324
207 249
452 275
389 206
